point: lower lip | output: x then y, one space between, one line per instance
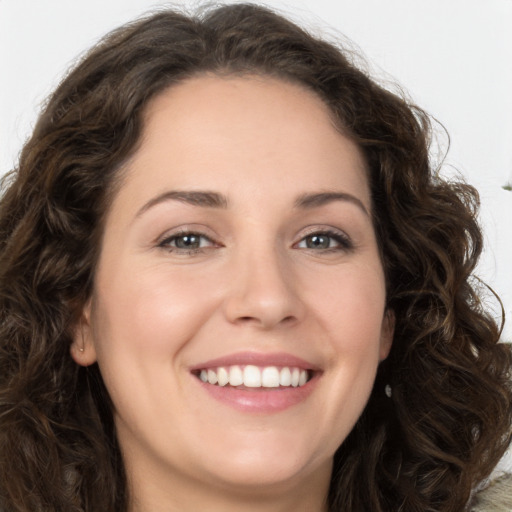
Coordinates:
260 400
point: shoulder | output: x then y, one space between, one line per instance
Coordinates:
496 497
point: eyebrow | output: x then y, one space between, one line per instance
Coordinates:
207 199
204 199
307 201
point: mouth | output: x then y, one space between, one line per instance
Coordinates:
258 383
252 377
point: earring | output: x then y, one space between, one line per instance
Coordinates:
388 390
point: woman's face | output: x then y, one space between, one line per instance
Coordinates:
239 250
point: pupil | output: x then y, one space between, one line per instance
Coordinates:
318 241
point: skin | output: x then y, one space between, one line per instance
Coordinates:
256 284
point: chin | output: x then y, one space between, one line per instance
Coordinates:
276 464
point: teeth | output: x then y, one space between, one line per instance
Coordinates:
285 377
252 376
222 376
212 377
270 377
236 377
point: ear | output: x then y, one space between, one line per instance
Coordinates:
387 333
82 347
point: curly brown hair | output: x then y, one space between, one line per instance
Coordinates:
449 419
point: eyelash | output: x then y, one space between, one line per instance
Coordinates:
166 242
343 242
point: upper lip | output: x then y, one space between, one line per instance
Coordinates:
257 359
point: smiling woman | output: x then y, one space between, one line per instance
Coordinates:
230 281
271 345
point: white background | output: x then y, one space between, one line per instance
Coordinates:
454 57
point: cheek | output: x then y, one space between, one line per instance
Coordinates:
153 311
351 316
351 306
142 320
348 310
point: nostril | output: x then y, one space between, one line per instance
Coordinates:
266 321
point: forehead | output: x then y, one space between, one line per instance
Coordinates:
214 132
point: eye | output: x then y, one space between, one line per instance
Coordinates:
325 240
186 242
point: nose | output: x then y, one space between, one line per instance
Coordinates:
263 291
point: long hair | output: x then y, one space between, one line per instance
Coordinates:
449 418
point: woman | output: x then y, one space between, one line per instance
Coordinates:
232 281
